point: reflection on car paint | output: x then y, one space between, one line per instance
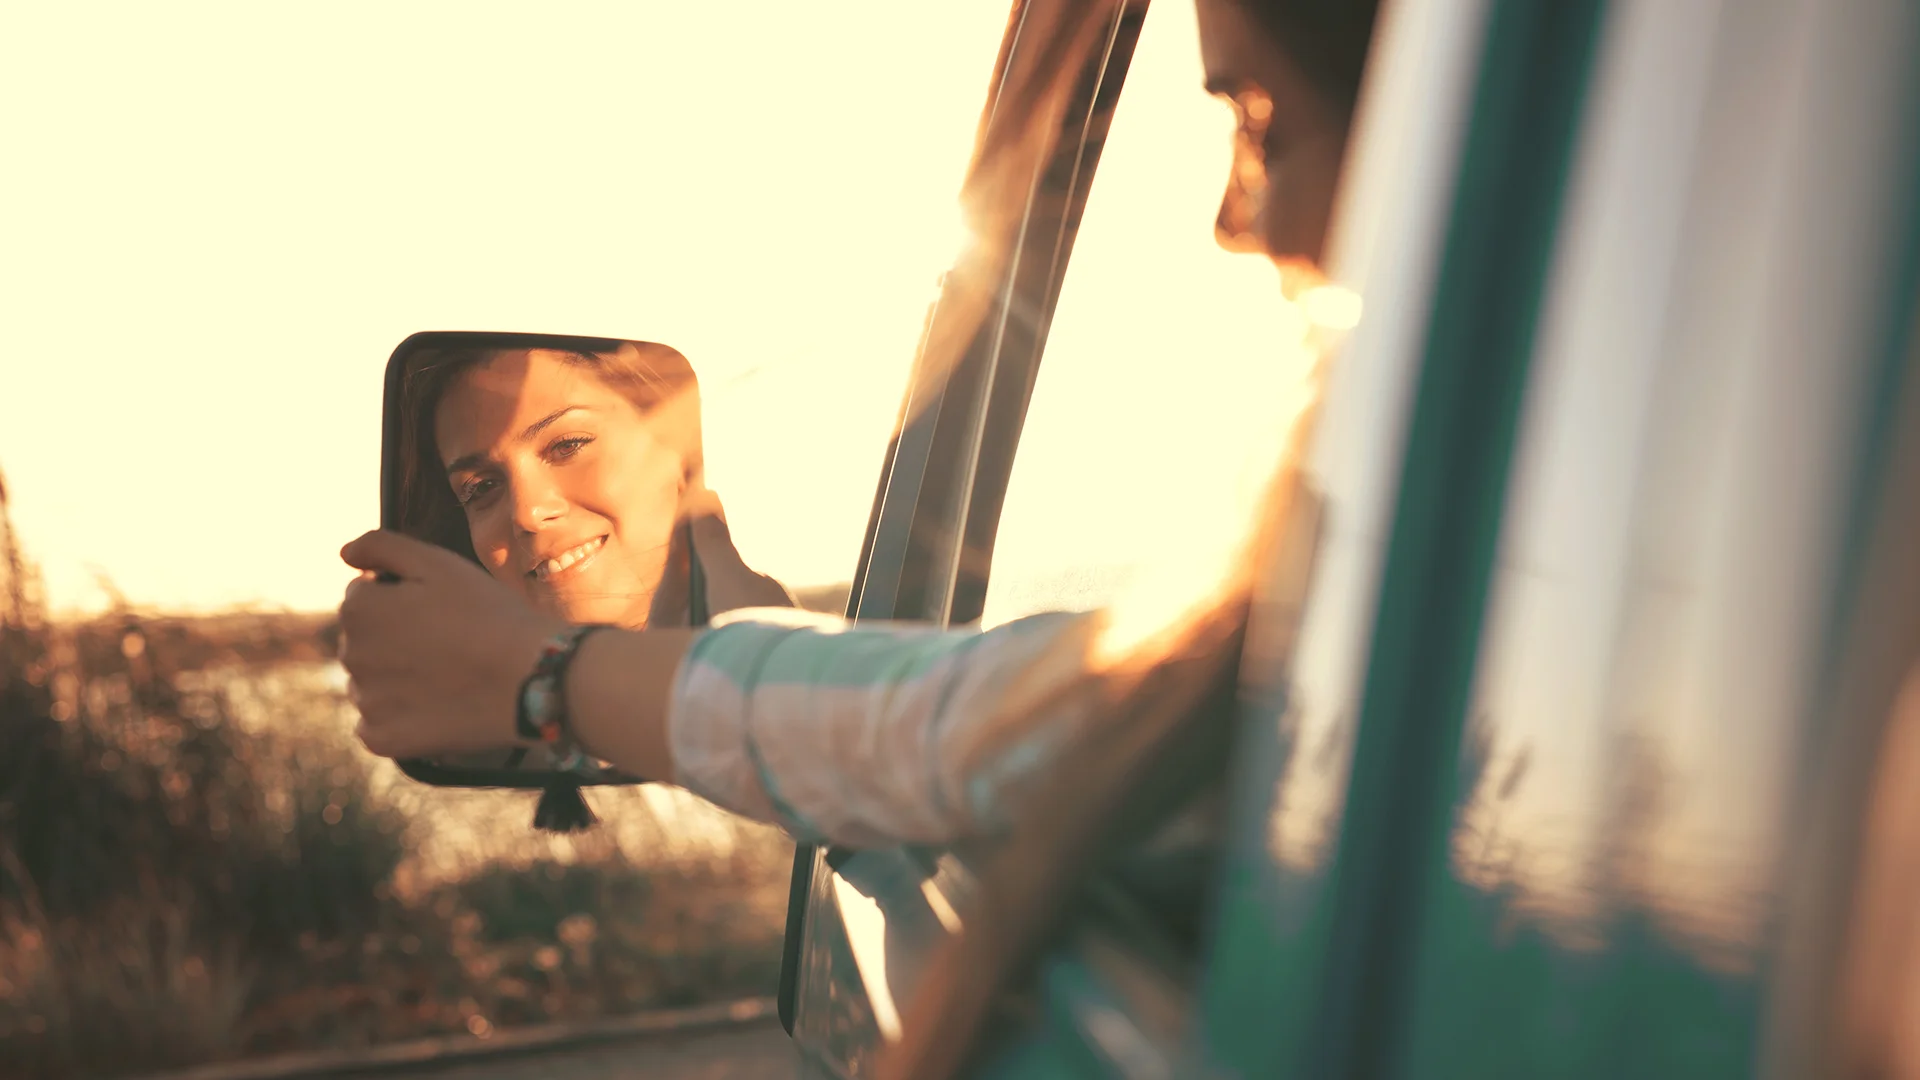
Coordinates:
871 929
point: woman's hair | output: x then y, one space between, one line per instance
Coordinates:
1327 39
656 378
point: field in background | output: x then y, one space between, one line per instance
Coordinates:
197 862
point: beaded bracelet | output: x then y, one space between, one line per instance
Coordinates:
542 715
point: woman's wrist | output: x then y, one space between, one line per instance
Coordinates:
543 713
520 657
619 692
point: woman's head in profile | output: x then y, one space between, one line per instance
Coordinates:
562 472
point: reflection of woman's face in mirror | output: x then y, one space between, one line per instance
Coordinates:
570 492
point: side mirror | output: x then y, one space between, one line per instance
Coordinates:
558 463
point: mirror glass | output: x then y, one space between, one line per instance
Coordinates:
572 470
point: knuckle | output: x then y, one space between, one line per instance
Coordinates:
377 740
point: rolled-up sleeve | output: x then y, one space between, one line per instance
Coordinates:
877 734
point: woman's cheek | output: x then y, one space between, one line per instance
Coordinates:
491 544
651 482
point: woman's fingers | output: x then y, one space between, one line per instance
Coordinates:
376 737
360 581
381 552
433 658
731 583
713 541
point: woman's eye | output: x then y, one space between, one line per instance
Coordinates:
473 490
566 448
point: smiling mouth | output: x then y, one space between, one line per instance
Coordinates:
570 560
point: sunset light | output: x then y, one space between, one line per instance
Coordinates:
913 540
777 221
235 213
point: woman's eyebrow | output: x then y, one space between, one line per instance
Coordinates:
535 428
478 459
467 462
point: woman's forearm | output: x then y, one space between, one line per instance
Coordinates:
859 736
618 694
876 735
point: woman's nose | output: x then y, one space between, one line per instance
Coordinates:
537 506
1237 229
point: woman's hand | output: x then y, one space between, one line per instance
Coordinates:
731 583
436 658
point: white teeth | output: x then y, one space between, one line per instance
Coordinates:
567 558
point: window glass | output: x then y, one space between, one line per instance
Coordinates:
1164 352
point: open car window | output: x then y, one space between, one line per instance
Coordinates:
1164 351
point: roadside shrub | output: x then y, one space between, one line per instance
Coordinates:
197 862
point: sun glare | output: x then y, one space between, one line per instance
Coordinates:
1330 307
1173 376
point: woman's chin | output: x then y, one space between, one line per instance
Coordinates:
602 608
610 612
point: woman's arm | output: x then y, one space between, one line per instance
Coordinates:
618 692
878 734
436 655
864 736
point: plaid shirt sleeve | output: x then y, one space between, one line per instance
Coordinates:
877 734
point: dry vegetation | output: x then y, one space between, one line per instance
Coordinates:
198 863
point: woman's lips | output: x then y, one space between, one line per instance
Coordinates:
571 561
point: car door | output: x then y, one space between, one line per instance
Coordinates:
1598 535
1568 773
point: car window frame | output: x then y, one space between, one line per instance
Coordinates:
927 552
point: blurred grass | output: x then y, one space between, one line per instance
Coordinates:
198 863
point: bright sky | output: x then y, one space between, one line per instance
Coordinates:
223 217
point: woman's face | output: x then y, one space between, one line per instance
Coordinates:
1288 145
570 495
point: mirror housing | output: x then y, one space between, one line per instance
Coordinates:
519 769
